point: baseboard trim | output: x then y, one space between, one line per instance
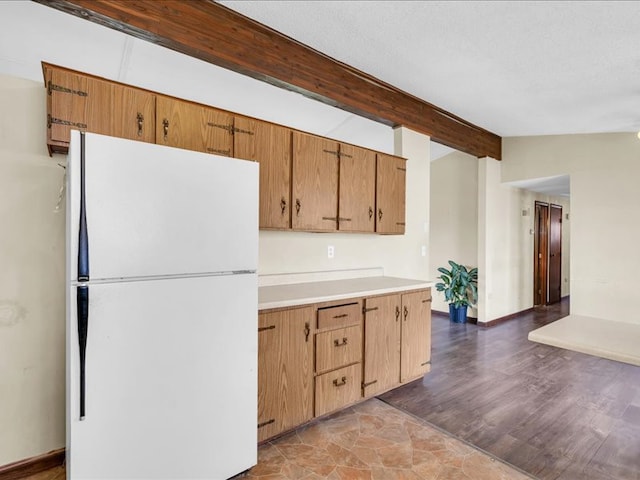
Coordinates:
497 321
436 313
33 465
490 323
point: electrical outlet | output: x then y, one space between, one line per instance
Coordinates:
330 251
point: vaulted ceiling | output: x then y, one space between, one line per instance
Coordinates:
515 68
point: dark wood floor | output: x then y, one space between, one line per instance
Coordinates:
553 413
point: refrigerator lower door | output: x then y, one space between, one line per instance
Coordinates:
171 380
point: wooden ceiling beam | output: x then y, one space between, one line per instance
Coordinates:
218 35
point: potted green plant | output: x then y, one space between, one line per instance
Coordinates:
460 287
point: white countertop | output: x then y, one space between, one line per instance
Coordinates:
280 296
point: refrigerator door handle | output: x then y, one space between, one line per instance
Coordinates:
83 324
83 238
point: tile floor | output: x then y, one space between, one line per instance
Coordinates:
374 441
369 441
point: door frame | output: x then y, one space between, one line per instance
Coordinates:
542 251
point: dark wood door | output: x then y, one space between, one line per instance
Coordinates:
555 253
540 254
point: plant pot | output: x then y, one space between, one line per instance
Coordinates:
458 314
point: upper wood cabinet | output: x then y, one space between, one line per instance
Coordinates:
315 183
285 370
270 145
193 126
78 102
390 194
307 182
357 190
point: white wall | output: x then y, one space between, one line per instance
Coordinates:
454 216
483 226
32 275
605 219
32 241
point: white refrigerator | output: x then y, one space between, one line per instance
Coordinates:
162 248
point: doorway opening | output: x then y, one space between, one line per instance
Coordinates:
547 253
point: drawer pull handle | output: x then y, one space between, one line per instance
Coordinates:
426 301
428 362
341 316
262 329
343 381
336 342
268 422
365 385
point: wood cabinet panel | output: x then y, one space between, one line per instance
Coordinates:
381 344
285 370
337 389
270 145
133 114
357 190
315 183
67 96
191 126
337 348
416 335
339 316
79 102
390 194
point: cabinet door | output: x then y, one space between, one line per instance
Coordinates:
315 183
381 344
192 126
66 106
416 335
390 194
133 114
357 189
270 145
285 370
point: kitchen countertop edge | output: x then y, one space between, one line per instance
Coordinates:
299 294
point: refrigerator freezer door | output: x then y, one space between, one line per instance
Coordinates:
171 380
154 210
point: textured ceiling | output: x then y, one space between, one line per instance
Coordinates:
514 68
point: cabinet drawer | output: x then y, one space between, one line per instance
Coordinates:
337 348
336 389
340 316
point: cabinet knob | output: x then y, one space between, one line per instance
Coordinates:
397 313
406 312
140 120
370 213
165 128
380 214
283 205
298 205
307 331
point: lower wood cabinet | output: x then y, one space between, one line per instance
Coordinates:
397 345
285 370
323 357
415 345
